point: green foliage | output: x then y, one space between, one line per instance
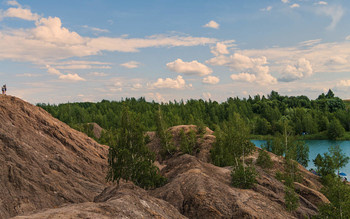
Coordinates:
331 161
338 193
264 160
188 141
129 158
291 199
243 176
335 130
265 116
166 138
232 142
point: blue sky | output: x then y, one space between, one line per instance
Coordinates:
60 51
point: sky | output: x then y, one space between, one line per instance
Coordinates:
164 50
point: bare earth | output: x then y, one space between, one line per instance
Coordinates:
48 170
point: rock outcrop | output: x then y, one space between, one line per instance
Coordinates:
123 201
202 190
43 162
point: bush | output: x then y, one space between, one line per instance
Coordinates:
264 160
291 199
243 177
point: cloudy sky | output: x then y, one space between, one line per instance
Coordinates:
60 51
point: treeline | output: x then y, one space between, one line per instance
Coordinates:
326 115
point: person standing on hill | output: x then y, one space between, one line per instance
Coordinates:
4 89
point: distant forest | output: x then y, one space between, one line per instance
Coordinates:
326 117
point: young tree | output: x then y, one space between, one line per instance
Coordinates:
165 136
129 158
339 159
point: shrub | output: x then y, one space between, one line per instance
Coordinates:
243 177
291 199
264 160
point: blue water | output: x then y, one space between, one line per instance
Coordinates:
320 147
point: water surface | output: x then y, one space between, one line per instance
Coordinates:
320 147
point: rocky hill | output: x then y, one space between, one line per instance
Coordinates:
49 170
43 162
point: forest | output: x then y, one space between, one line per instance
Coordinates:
326 117
284 121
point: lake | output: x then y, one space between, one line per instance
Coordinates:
320 147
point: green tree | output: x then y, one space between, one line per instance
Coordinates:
164 135
339 159
264 160
335 129
129 158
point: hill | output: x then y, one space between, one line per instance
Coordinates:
49 170
43 162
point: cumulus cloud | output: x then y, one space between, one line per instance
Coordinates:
20 13
177 83
71 77
298 71
219 49
238 62
295 5
246 77
212 24
67 77
131 64
211 80
335 12
50 30
192 68
285 1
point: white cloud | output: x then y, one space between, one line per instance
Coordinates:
285 1
322 3
52 70
192 68
212 24
246 77
238 62
134 44
71 77
20 13
96 29
298 71
219 49
29 75
211 80
335 12
137 86
177 83
13 3
310 42
131 64
268 8
98 74
51 30
68 77
206 95
295 5
347 37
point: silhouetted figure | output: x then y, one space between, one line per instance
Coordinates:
4 89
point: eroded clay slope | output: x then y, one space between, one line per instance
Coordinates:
43 162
